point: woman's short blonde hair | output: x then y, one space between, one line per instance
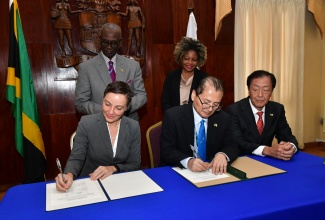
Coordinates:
186 44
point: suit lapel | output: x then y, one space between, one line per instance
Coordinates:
268 117
103 130
121 136
120 69
247 113
212 132
175 85
188 124
102 70
195 81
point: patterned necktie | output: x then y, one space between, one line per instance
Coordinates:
259 123
201 142
111 71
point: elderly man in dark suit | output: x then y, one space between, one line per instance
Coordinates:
256 120
182 141
96 73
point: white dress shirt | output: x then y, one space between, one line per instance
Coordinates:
116 138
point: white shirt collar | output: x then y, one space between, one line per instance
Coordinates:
197 117
254 109
107 59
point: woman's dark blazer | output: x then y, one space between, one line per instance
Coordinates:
170 94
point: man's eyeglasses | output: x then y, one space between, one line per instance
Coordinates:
113 44
214 107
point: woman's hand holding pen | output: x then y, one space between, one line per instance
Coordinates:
64 184
197 165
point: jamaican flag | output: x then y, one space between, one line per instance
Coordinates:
20 92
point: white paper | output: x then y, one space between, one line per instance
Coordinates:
198 177
129 184
82 192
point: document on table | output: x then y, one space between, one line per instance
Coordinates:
242 168
86 191
197 177
129 184
82 192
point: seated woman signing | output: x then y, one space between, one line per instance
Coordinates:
106 142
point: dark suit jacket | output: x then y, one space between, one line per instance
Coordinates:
170 94
92 146
245 130
93 78
178 134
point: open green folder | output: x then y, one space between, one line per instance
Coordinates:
241 169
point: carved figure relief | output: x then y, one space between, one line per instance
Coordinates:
92 15
135 26
63 25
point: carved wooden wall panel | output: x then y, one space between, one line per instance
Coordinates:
166 23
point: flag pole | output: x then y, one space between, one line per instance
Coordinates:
190 6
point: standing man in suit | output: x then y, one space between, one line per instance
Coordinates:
255 133
181 138
96 73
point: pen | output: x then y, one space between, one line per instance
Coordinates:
194 151
59 166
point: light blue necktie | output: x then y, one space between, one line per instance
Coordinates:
201 142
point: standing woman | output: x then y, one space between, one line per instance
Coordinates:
106 142
190 54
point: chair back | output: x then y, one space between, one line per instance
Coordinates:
71 139
153 139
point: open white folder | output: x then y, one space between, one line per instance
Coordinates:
86 191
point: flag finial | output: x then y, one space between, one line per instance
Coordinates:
190 6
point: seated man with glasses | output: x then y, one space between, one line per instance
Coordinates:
197 136
108 66
255 120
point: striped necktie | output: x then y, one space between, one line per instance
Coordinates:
201 142
259 123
